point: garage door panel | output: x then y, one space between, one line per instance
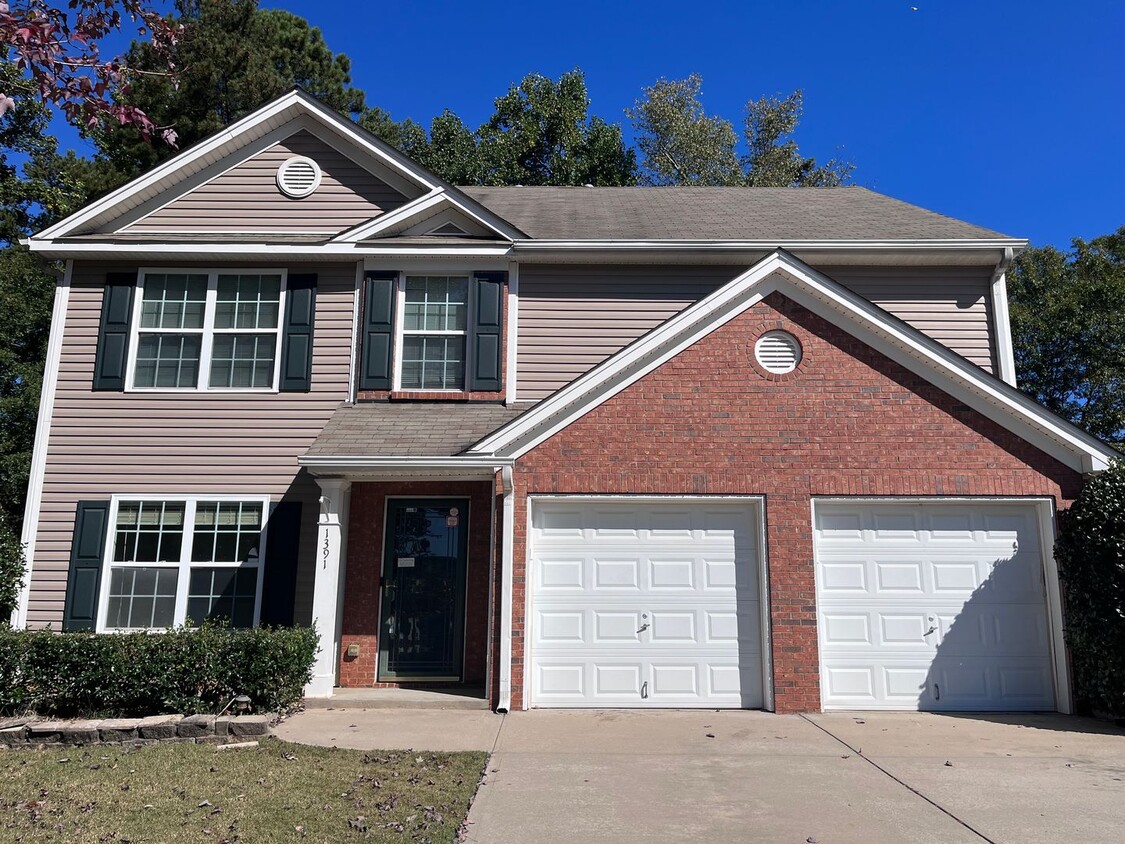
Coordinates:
932 606
645 604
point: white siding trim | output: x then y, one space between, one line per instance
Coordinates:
354 350
42 435
507 556
512 331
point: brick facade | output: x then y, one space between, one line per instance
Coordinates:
366 538
849 422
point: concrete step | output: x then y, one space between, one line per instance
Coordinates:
458 698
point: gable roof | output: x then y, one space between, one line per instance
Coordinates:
271 123
718 214
781 272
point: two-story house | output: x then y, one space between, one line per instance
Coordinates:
584 447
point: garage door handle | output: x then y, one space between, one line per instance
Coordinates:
644 627
931 630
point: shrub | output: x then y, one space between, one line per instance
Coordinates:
131 674
1091 557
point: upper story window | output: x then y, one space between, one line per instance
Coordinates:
175 560
207 331
434 324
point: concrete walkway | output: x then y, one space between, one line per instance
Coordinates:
674 776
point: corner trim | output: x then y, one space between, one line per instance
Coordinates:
42 435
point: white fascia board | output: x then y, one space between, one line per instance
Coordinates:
93 251
796 280
366 462
295 100
766 245
385 221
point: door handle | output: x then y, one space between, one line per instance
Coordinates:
931 630
643 628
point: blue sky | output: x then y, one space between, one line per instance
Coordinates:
1009 114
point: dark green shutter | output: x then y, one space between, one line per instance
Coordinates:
487 334
297 339
87 550
113 333
279 570
378 330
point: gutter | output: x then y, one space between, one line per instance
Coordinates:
1001 321
507 556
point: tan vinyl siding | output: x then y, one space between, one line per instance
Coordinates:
105 443
247 198
572 317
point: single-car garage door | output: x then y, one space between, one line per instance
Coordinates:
932 606
636 603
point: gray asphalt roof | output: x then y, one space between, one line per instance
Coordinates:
690 213
409 429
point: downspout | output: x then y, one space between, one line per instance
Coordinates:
1005 354
507 554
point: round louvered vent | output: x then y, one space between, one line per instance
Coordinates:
298 177
778 352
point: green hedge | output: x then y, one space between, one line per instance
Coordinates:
132 674
1091 555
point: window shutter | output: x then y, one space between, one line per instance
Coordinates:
279 568
487 335
297 339
87 549
113 333
378 330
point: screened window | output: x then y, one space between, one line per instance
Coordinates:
435 316
184 560
198 331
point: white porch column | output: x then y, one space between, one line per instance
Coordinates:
328 588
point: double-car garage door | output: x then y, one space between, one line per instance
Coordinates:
641 603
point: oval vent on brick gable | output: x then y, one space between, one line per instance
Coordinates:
778 352
298 176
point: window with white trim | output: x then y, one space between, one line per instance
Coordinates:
207 330
176 560
434 332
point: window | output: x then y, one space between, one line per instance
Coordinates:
207 331
178 560
435 316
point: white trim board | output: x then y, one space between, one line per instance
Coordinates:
783 273
42 436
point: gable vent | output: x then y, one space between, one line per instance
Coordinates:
778 352
299 176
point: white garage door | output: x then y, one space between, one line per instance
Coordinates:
642 604
932 606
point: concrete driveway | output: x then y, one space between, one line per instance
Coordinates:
675 776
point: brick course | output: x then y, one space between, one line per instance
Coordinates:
364 565
849 422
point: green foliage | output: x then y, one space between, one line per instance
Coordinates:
683 145
1068 330
132 674
233 58
1091 555
12 570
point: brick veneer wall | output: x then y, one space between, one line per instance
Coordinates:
364 565
849 421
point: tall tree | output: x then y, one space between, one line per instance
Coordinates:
34 191
542 134
683 145
1068 329
233 58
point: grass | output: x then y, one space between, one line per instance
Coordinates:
191 794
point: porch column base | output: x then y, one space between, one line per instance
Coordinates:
328 586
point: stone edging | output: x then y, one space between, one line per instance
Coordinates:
200 729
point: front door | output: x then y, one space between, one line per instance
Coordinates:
423 585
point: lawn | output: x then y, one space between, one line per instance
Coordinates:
180 793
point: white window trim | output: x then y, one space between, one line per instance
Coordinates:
185 564
401 332
208 331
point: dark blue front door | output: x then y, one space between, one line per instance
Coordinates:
423 605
